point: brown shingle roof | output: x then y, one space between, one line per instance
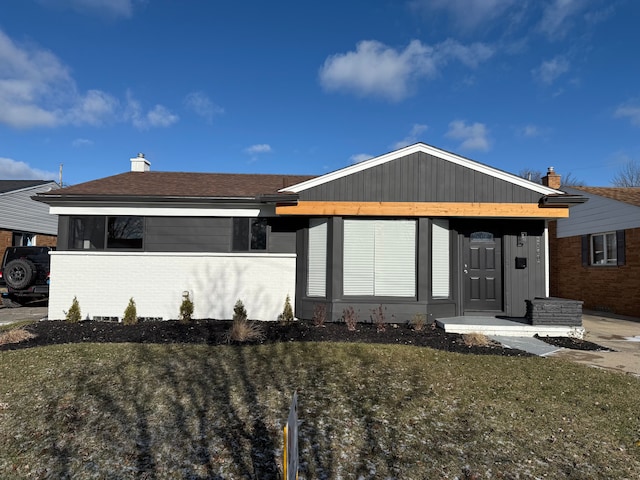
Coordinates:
630 195
182 184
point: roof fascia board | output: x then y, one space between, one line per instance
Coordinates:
131 199
428 149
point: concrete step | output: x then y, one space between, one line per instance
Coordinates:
493 326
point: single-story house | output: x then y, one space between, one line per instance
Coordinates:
595 254
24 222
417 230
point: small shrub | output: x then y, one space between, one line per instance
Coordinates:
130 313
287 312
350 317
186 308
475 339
74 315
418 321
239 312
243 330
319 314
16 335
378 317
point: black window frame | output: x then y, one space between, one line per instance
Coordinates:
92 232
250 234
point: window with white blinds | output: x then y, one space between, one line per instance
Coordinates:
317 266
380 258
440 259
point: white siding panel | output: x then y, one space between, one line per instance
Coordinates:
103 282
440 259
317 268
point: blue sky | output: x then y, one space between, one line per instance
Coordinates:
306 87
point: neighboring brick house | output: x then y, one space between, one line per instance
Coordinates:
417 230
595 254
24 221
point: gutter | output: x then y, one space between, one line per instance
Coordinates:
561 201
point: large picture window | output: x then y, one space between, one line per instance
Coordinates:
98 232
604 249
379 258
249 234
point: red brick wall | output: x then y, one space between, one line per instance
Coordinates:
6 239
614 288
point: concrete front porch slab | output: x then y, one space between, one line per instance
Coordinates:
502 327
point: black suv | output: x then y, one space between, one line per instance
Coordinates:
25 270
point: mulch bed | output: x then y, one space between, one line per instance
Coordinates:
214 332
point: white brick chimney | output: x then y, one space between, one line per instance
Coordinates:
140 164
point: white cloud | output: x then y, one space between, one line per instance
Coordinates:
112 8
630 110
93 108
467 14
360 157
530 131
36 90
159 116
473 137
15 170
258 148
375 69
557 17
202 105
550 70
412 137
81 142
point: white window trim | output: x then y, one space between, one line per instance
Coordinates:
608 262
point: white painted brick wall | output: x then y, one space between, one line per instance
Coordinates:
103 282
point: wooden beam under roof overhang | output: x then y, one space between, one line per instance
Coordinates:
422 209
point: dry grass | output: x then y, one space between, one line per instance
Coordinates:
243 330
134 411
15 335
474 339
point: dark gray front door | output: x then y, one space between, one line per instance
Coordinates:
482 272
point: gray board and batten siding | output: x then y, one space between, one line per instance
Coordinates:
420 177
518 284
198 234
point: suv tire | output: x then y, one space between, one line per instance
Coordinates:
19 273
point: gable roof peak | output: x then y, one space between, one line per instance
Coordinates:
421 147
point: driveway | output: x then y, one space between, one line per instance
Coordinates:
618 333
34 311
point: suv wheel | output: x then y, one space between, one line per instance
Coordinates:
19 273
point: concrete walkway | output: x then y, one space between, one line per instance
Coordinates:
618 333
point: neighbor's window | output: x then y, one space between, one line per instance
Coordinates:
99 232
21 239
379 258
249 234
603 249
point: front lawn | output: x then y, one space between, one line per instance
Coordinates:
367 411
